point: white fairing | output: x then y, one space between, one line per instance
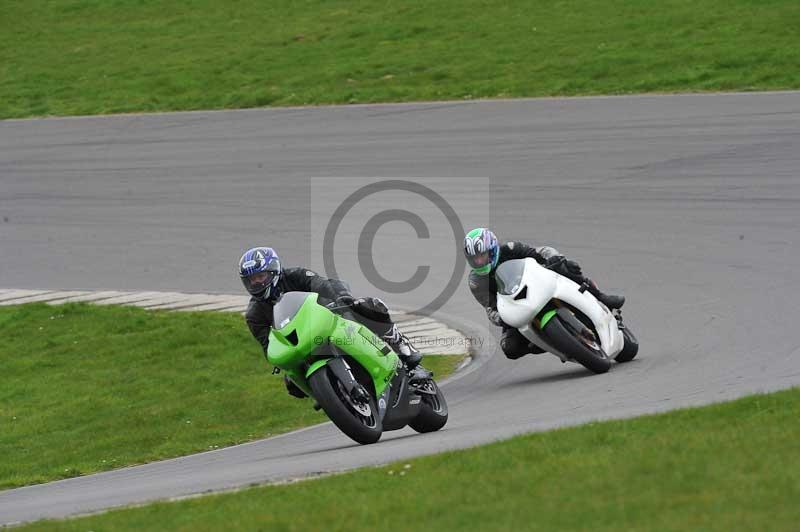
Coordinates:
544 285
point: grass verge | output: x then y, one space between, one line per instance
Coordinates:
730 466
74 57
91 388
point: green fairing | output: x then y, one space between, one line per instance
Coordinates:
312 322
315 327
546 317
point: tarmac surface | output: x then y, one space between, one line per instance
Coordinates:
687 204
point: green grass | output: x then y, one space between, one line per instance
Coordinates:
90 388
71 57
731 466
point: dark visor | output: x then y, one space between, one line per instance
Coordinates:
478 261
258 282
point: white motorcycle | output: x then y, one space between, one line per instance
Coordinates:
560 316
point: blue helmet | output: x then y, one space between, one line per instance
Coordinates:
260 271
482 250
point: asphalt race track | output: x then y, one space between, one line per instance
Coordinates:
689 205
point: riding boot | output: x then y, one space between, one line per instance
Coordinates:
611 301
401 345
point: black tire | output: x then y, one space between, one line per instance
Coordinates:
332 397
631 347
563 339
433 410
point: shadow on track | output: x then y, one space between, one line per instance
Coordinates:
577 373
352 445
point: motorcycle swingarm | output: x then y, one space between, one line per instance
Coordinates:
416 389
419 374
404 403
418 377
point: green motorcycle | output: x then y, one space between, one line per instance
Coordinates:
354 376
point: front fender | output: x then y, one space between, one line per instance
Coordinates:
316 366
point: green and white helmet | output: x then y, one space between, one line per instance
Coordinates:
482 250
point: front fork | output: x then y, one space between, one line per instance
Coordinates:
341 369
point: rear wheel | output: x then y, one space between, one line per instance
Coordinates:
433 408
355 417
631 347
578 342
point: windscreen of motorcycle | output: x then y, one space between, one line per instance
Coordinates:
509 276
287 308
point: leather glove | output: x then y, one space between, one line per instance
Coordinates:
564 266
573 267
345 301
494 316
554 262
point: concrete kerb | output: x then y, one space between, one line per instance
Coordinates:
429 335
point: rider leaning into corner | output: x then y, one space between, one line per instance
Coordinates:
484 254
266 280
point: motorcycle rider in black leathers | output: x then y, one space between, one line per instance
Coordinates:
266 280
484 254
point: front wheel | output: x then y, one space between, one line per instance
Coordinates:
433 408
580 345
356 418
